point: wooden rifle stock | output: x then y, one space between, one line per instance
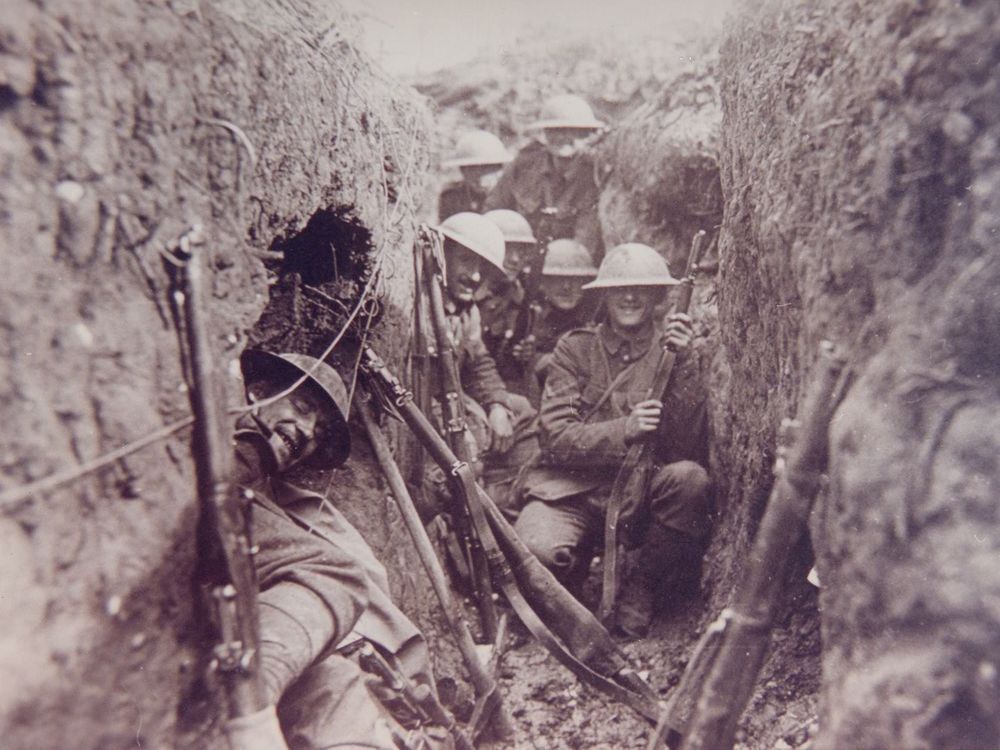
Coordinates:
589 653
482 680
459 437
226 558
743 630
632 480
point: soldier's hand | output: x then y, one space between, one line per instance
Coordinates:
643 420
501 428
524 350
678 332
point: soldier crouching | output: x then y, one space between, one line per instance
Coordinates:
596 404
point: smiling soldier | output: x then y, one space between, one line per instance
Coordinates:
321 587
594 406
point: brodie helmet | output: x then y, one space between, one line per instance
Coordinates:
287 368
633 264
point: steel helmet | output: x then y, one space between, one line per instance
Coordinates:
632 264
477 147
566 111
515 228
476 233
287 368
568 258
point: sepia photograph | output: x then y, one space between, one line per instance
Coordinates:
509 375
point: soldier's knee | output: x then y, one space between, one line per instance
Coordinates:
692 478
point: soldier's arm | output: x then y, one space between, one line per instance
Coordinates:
480 377
311 595
565 437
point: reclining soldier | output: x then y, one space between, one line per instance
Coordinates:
321 587
479 156
594 406
551 180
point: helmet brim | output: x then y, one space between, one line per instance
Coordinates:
582 273
255 364
630 281
474 162
581 124
461 241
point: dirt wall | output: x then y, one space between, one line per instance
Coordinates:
860 168
121 125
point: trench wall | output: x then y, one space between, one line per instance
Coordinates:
860 169
122 124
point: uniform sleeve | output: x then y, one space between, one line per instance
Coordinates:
566 438
450 202
480 377
310 595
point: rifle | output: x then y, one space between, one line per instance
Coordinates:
418 699
532 283
589 651
226 559
459 437
738 640
632 480
482 680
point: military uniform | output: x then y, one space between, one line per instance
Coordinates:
532 182
321 587
459 196
594 379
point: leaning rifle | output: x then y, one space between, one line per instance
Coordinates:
521 326
737 643
553 616
226 560
482 680
632 481
457 427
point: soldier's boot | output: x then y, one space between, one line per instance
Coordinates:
665 567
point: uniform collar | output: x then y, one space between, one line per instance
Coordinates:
628 348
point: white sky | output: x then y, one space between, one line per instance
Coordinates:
420 36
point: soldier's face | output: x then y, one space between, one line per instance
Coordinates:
564 143
563 292
465 272
481 177
292 425
631 307
516 256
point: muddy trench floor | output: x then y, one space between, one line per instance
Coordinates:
551 709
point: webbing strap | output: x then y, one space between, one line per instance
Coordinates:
644 703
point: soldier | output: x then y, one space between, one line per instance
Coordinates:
551 180
499 419
479 156
595 404
501 295
563 304
321 587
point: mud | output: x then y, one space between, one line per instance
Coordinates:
121 127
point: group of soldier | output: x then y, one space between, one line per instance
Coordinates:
554 407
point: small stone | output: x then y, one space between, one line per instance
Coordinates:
70 191
137 641
959 128
83 335
113 606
